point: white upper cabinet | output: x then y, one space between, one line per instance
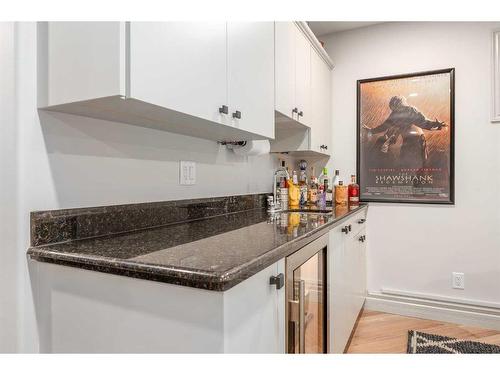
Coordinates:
181 66
187 78
80 61
285 34
320 105
293 73
303 78
303 92
251 76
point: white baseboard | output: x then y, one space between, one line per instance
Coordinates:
440 298
445 311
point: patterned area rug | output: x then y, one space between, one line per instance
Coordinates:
419 342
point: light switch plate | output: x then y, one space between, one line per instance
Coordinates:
187 172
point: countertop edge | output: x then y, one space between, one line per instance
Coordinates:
173 275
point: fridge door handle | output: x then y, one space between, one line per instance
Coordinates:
302 317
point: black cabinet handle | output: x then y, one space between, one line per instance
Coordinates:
345 229
237 114
278 280
361 221
350 227
224 109
361 239
295 110
301 113
326 147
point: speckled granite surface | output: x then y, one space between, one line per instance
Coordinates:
78 223
213 253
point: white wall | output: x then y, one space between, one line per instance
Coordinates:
8 192
69 161
414 248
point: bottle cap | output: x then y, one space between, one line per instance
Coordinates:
336 172
341 182
325 171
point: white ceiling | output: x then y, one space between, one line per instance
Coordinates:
321 28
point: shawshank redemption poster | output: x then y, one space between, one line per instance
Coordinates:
405 138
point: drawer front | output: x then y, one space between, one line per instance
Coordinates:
355 224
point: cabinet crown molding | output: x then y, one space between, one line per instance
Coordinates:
302 25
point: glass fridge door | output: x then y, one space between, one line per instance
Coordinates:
307 307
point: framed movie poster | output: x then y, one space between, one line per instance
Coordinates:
405 138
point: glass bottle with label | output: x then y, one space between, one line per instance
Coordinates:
335 182
353 192
341 194
327 186
303 183
313 190
294 192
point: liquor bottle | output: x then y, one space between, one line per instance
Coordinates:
303 189
313 189
341 194
353 192
283 188
321 195
336 178
335 182
303 183
294 191
327 186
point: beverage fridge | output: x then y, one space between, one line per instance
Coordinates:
306 295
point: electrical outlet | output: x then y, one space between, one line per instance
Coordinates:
187 172
458 280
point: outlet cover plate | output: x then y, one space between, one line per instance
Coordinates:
187 172
458 280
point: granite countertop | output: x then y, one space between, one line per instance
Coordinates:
212 253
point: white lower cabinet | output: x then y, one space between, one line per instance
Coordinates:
346 280
254 314
80 311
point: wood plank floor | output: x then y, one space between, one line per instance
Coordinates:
378 332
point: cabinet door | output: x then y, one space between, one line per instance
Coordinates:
303 77
251 76
254 313
361 270
355 278
320 105
180 66
339 291
80 61
285 38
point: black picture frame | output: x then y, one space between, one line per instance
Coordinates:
451 183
